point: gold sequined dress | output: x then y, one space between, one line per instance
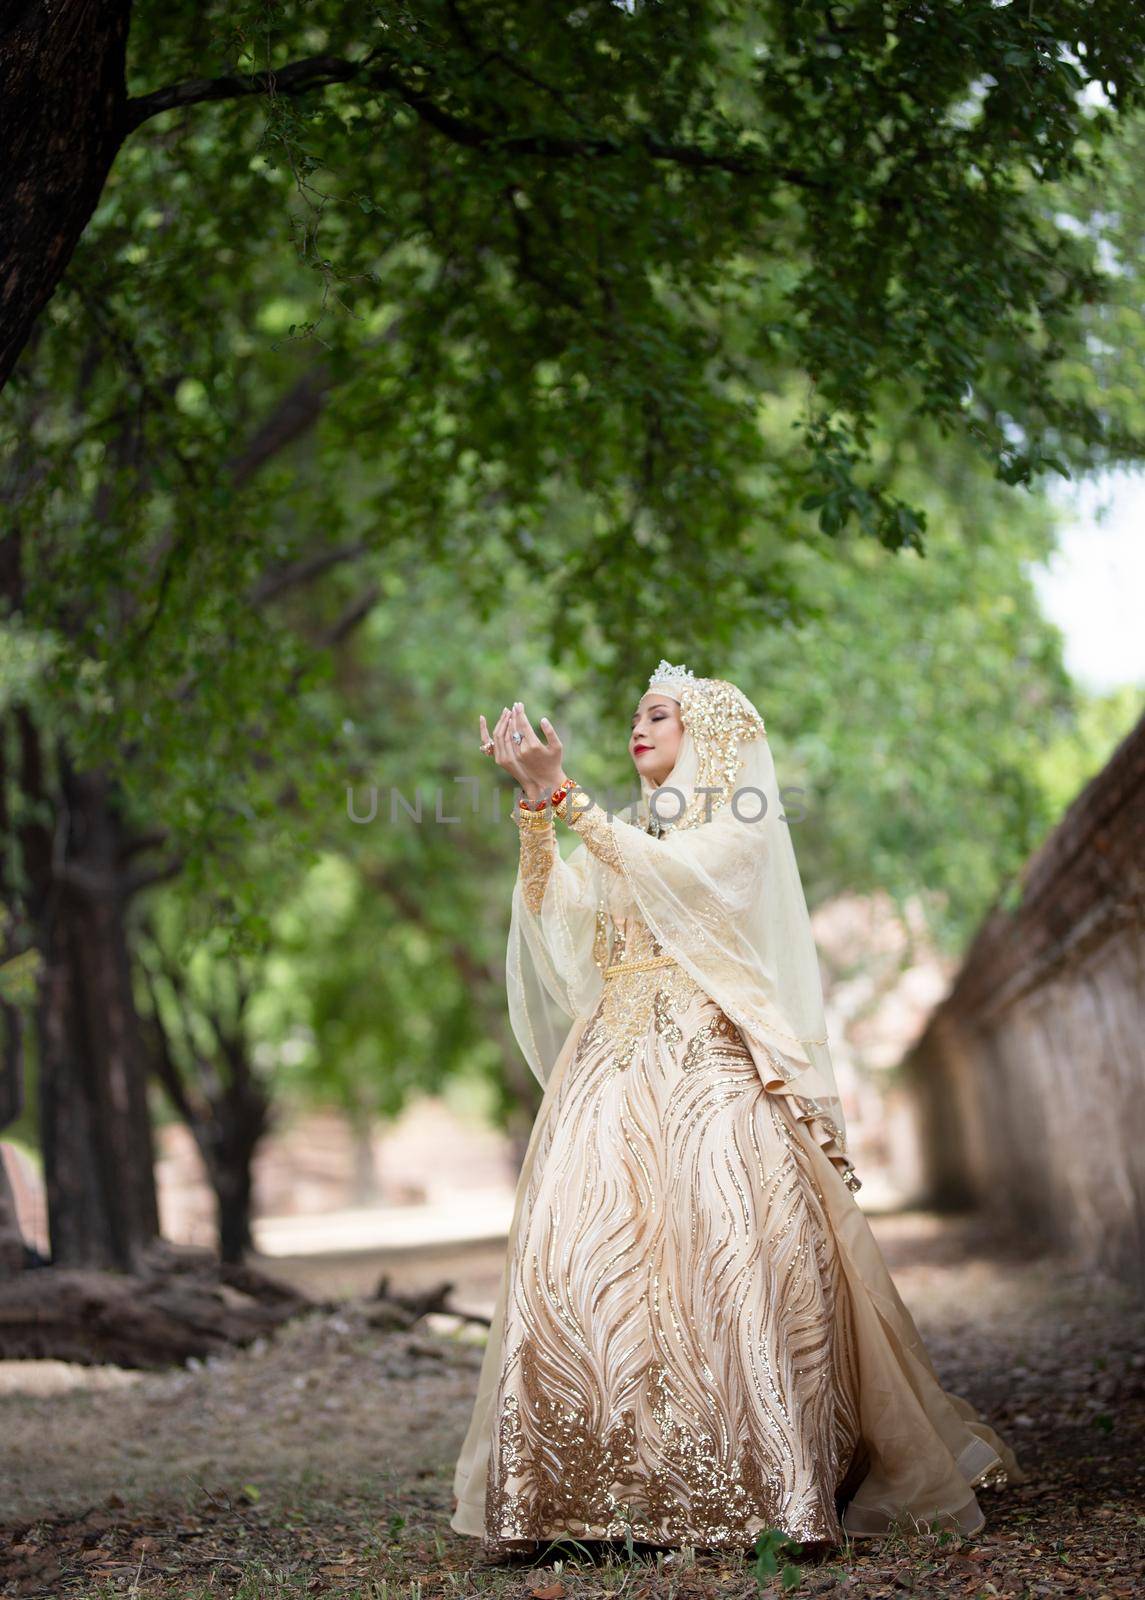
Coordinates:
680 1343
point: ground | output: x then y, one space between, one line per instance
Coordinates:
321 1464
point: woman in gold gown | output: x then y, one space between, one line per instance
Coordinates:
696 1336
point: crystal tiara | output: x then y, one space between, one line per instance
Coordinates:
666 674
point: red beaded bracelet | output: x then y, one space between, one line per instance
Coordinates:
554 799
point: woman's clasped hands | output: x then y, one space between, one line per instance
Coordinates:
533 763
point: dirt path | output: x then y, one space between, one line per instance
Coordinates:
322 1464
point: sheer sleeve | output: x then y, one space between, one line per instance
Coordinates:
551 976
535 865
595 829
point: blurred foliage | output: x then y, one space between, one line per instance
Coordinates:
1080 750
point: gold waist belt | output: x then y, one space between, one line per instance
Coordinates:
621 967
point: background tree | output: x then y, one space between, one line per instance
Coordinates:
200 1049
613 321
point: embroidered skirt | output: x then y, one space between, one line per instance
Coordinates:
696 1336
675 1354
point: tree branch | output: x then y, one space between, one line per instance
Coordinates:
304 570
354 614
314 72
164 872
162 1056
297 411
319 72
138 843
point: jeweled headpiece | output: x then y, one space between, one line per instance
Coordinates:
673 680
720 719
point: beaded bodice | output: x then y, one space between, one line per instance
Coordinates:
641 982
623 938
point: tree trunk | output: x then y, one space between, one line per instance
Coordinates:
11 1020
63 89
219 1097
232 1177
95 1124
364 1186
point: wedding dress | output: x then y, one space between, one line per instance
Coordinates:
695 1336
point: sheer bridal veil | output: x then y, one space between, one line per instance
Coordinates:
708 862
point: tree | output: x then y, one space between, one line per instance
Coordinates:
94 1120
625 171
615 307
199 1049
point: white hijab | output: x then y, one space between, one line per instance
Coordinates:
721 892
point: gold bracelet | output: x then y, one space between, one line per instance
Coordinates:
533 821
566 810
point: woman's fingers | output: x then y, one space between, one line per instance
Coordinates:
521 739
523 726
505 751
544 739
519 723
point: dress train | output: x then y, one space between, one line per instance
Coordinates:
696 1335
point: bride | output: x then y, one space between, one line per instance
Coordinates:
696 1336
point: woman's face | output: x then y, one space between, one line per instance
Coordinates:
656 734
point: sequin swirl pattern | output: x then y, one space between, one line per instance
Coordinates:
678 1360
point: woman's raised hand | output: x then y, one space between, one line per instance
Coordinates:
498 745
535 765
542 762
